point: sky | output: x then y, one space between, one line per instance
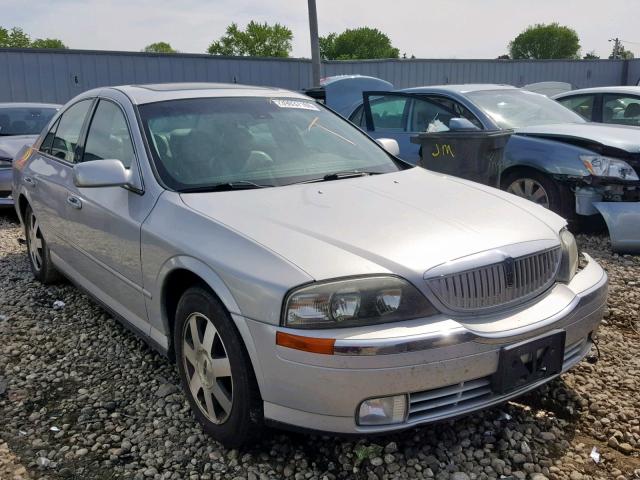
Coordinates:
424 28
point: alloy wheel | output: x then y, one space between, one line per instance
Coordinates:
531 190
207 367
35 243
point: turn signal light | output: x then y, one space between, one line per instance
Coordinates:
306 344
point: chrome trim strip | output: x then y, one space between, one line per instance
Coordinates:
403 344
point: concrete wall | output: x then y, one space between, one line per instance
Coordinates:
58 75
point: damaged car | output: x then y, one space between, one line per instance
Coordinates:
296 271
555 158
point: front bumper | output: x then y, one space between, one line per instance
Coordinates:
6 176
443 366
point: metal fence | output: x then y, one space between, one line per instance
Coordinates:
58 75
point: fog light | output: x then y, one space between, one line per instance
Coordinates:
383 411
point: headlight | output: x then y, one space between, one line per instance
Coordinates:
608 167
569 263
354 302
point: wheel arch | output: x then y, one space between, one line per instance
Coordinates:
520 168
23 203
182 272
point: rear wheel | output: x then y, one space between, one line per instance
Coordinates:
541 189
39 255
215 369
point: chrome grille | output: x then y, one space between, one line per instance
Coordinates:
500 284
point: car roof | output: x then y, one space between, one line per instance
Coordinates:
29 105
632 90
461 88
158 92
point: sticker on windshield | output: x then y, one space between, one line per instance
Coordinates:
284 103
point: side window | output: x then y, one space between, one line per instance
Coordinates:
388 112
621 109
357 118
581 104
435 113
47 143
67 134
108 136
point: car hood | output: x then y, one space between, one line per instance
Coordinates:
402 223
621 137
11 145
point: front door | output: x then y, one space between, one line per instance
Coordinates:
104 222
386 115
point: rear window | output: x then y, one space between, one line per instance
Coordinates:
24 121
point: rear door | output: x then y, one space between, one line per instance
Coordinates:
621 109
104 222
49 172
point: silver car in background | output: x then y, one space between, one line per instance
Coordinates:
20 125
296 271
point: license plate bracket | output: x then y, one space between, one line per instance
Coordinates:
528 362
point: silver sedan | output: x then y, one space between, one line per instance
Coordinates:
297 271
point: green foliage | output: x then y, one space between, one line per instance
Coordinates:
160 47
16 38
366 452
257 40
47 43
545 41
621 54
591 56
357 43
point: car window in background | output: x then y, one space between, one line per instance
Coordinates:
67 134
108 136
24 120
203 142
581 104
621 109
520 108
388 112
434 114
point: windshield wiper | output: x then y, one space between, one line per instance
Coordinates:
341 175
226 186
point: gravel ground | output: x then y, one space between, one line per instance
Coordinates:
82 398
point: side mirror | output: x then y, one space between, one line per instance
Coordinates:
458 124
390 145
101 173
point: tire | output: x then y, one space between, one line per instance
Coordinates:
39 255
215 370
541 189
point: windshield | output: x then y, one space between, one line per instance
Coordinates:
520 108
267 141
24 121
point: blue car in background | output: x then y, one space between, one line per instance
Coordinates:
554 158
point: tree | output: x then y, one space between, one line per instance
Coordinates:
504 56
47 43
591 56
357 43
621 53
160 47
14 38
545 41
257 40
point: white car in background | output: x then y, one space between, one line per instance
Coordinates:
20 125
615 105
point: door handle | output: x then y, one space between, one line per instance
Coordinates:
29 181
74 201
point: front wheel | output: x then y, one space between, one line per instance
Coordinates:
215 369
541 189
